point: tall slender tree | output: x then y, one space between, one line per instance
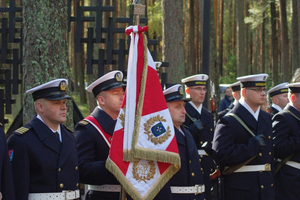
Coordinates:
173 37
285 55
45 41
274 43
295 36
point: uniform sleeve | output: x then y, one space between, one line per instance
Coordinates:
7 187
226 150
91 171
286 142
20 166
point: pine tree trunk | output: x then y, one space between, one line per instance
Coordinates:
285 56
241 42
274 44
173 37
295 37
46 48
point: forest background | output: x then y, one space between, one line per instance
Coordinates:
245 37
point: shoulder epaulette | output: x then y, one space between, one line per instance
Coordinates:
21 130
69 129
185 126
83 123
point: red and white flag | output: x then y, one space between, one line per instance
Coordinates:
144 153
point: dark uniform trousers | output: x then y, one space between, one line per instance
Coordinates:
6 178
190 173
286 130
234 145
206 134
40 162
92 154
274 111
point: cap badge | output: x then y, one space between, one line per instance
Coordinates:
118 76
202 77
264 78
63 85
180 90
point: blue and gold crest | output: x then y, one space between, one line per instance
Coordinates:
158 129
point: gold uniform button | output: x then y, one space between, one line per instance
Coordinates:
260 154
199 159
269 137
77 184
270 153
190 161
211 170
193 174
201 142
211 129
201 169
59 169
201 156
211 142
272 185
61 185
262 187
76 168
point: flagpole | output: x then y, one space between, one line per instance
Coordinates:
137 9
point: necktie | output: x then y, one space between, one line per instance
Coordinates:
56 135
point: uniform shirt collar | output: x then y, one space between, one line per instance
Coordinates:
235 102
276 107
181 131
199 109
255 114
58 130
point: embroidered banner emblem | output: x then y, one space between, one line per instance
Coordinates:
157 130
143 170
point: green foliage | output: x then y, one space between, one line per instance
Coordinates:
84 108
155 19
257 14
230 69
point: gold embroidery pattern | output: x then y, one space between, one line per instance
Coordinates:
148 125
143 171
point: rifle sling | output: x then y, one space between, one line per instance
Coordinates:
233 168
191 118
282 162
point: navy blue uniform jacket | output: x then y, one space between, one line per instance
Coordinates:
6 178
206 134
224 112
233 145
286 131
92 154
190 173
40 162
274 111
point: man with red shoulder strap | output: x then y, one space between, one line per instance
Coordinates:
93 136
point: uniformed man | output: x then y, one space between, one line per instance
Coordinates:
279 97
187 183
286 132
242 145
94 134
201 124
6 179
236 93
43 152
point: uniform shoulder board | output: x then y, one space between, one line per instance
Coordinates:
21 130
185 126
83 123
69 129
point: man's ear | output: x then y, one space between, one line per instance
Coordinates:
40 106
101 100
187 90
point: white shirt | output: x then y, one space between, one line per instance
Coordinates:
180 130
255 114
276 107
199 109
58 130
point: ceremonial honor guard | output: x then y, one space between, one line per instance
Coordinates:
187 183
242 145
7 191
94 134
286 132
43 152
279 97
236 92
201 124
